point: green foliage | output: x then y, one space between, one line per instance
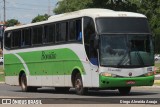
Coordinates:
119 5
157 65
1 74
40 18
151 8
71 5
1 77
12 22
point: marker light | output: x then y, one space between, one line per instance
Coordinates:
106 74
150 73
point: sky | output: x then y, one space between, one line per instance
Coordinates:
25 10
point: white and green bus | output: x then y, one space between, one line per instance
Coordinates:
86 49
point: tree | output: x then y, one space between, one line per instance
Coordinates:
40 18
12 22
120 5
152 10
73 5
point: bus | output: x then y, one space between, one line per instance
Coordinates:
89 49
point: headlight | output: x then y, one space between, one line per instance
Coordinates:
150 73
106 74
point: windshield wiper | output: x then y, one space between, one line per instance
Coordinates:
120 62
128 51
140 60
139 57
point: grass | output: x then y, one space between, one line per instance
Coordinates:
1 77
1 74
157 82
158 66
1 69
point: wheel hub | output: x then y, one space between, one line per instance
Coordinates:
78 84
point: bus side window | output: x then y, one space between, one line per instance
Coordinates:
26 37
16 39
89 35
37 35
64 30
7 39
61 32
79 29
72 30
49 33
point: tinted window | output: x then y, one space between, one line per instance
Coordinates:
37 35
75 30
79 29
72 30
8 39
16 39
122 25
89 34
49 33
26 37
61 32
64 30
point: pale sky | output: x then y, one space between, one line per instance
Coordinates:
25 10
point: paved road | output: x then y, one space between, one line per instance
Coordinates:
93 97
136 92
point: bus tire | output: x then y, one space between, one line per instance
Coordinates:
24 87
78 83
124 90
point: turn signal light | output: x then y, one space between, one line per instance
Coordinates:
150 73
106 74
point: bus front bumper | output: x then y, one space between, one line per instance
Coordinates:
114 82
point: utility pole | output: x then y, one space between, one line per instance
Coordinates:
4 8
49 7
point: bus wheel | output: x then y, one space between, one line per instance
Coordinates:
24 86
80 90
124 90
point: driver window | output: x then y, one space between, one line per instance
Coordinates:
89 35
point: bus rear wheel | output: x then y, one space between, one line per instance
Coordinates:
24 87
80 90
124 90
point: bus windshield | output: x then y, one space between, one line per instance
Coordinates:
126 50
125 41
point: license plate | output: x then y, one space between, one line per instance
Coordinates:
130 82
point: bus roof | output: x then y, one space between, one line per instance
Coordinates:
92 12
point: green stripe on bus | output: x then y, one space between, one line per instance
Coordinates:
111 82
47 62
